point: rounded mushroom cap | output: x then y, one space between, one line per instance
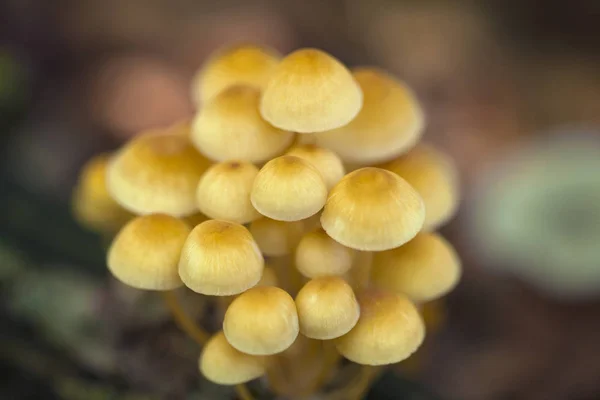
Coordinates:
288 188
327 308
262 321
224 192
145 253
310 91
318 255
388 331
373 209
390 122
325 161
220 258
229 127
221 363
157 173
276 238
434 175
92 205
242 64
269 277
424 269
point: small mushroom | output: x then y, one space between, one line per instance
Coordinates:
318 255
220 258
262 321
310 91
325 161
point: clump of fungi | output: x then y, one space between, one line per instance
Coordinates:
300 200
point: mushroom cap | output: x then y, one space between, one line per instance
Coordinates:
221 363
388 331
288 188
157 173
145 253
319 255
325 161
424 269
327 308
241 64
262 321
390 122
434 175
310 91
229 127
92 205
269 277
220 258
276 238
224 192
373 209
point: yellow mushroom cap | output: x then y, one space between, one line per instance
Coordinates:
434 175
373 209
269 277
221 363
325 161
157 173
229 127
242 64
262 321
388 331
145 253
288 188
92 205
220 258
276 238
224 192
327 308
319 255
424 269
389 123
310 91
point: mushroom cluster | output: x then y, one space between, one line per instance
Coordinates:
300 196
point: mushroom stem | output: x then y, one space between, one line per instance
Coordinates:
331 358
189 327
182 319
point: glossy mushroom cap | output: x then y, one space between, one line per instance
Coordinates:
224 192
288 188
229 127
389 123
145 253
327 308
434 175
388 331
310 91
93 206
424 269
243 64
325 161
319 255
261 321
220 258
221 363
373 209
157 173
276 238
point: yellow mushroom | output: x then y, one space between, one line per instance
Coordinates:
310 91
373 209
388 331
318 255
145 253
229 127
424 269
157 173
220 258
325 161
327 308
261 321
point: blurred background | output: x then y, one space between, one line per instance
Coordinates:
511 90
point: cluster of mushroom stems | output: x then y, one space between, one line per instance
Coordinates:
301 199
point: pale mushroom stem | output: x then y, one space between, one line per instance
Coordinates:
187 325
